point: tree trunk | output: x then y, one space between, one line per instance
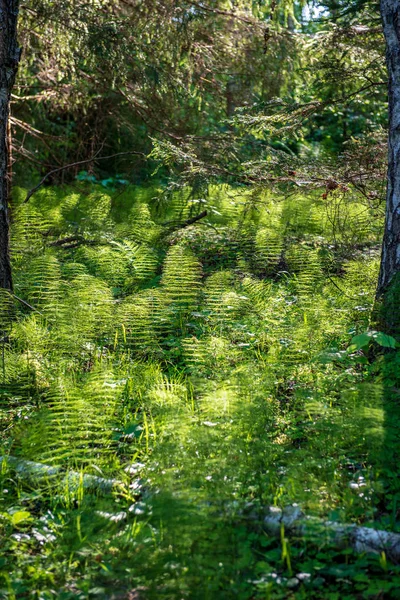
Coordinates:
390 260
9 59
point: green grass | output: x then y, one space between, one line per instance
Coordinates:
209 370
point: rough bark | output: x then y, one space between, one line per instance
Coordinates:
9 59
390 260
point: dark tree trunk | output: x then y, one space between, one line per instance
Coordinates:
9 59
390 261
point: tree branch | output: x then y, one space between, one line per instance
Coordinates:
73 241
192 220
25 303
227 13
77 164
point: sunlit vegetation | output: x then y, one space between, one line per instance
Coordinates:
198 334
211 371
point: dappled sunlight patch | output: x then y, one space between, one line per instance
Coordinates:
221 403
210 370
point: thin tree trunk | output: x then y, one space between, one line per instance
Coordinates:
230 98
10 156
390 260
9 59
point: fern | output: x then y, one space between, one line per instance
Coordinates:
137 323
181 280
191 354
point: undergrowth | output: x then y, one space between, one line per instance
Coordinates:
210 370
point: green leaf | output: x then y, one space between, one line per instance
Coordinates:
363 339
133 429
360 341
387 341
20 516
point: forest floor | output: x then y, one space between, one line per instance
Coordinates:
212 370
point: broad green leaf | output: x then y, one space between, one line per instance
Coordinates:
363 339
360 341
387 341
19 516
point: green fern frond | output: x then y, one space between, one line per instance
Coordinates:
181 279
73 427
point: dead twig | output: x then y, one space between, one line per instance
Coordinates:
192 220
25 303
69 243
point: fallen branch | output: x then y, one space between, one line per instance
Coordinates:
174 225
35 472
192 220
72 242
68 240
362 539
